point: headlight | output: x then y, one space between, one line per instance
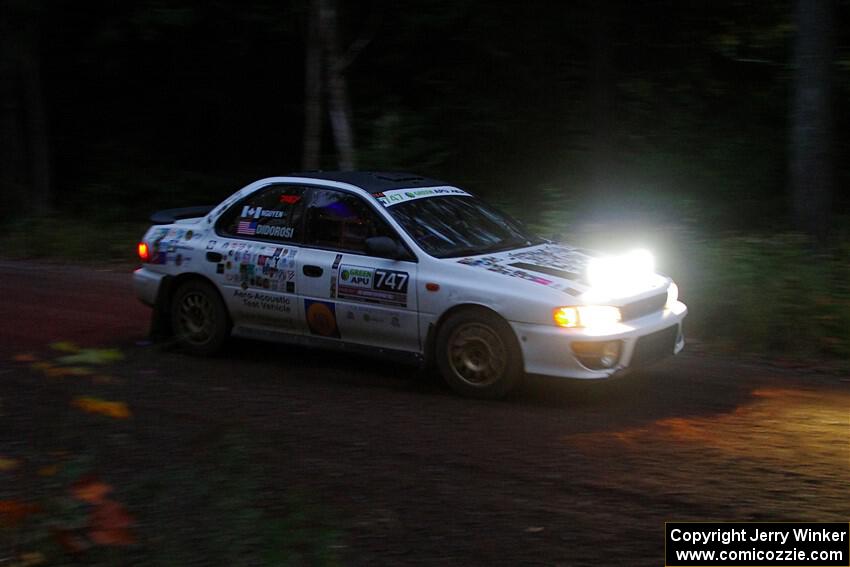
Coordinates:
586 316
672 295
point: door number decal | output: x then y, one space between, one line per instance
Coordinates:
373 285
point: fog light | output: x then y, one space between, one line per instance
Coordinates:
610 354
597 355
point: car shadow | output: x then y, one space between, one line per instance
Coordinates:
681 386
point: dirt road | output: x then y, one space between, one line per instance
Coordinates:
403 471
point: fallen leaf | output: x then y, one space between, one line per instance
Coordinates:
79 371
93 356
13 512
26 357
63 371
30 559
48 470
70 541
65 346
91 490
43 366
110 524
7 464
117 410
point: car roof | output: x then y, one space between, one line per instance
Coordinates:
373 181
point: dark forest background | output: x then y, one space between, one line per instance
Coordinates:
715 131
151 103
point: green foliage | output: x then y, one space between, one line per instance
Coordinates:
68 238
770 294
399 140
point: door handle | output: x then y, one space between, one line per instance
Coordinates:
214 257
312 271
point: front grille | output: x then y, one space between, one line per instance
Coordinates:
655 346
643 307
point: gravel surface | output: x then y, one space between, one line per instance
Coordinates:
562 473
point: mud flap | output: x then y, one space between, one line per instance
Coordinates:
160 328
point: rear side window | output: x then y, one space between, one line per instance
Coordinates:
272 213
342 221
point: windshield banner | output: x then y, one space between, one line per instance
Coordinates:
396 196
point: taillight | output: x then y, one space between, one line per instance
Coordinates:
144 254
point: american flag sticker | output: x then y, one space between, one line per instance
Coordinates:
247 227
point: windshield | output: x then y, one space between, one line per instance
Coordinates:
454 226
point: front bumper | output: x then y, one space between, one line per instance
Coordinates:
546 348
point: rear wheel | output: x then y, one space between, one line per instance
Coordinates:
478 355
199 318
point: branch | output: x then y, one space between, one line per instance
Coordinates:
366 36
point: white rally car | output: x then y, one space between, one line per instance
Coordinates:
401 264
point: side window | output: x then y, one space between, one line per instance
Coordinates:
272 213
342 221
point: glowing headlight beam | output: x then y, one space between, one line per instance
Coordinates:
621 276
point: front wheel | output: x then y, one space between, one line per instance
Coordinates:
478 355
199 318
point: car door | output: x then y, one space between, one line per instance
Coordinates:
346 293
254 251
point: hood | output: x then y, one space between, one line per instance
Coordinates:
555 266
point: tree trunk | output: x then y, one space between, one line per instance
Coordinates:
12 154
24 144
339 108
811 144
313 90
38 143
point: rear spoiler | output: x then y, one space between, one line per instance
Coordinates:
169 216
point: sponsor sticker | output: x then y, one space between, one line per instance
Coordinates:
290 199
396 196
258 212
375 317
321 318
558 261
373 285
356 276
274 231
335 273
264 301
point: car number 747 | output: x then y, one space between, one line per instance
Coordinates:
388 280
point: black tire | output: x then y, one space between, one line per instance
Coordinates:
478 355
199 318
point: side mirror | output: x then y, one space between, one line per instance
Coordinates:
384 247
